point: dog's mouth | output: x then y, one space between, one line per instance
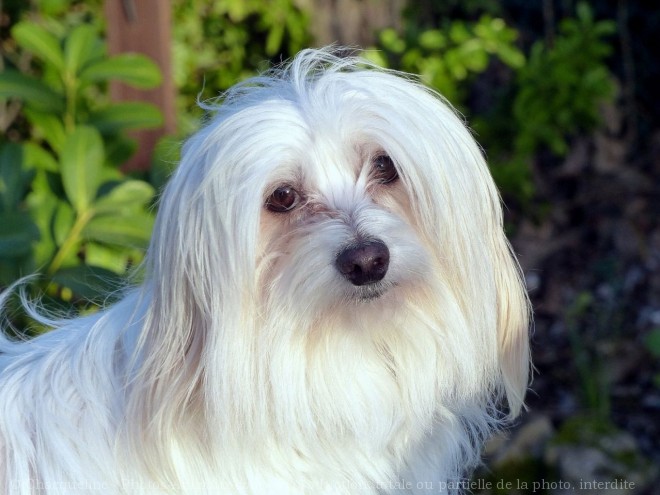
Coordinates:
371 292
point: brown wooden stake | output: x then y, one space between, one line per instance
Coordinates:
143 26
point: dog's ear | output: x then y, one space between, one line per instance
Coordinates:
513 321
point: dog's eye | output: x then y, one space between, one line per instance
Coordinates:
283 199
384 170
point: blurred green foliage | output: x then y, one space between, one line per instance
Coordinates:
216 44
592 386
446 58
652 343
561 86
65 208
558 96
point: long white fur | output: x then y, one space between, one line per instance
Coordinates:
246 364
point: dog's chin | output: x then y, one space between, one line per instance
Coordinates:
370 293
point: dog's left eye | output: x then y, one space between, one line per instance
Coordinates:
384 170
283 199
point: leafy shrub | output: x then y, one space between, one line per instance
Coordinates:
446 58
216 44
562 86
65 208
557 96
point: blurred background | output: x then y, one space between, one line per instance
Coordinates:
96 98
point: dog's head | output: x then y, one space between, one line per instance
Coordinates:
331 198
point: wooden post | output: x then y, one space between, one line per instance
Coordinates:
143 26
350 22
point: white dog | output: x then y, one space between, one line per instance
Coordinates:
330 307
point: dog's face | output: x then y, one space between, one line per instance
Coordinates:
337 230
328 207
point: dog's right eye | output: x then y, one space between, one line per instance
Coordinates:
384 169
283 199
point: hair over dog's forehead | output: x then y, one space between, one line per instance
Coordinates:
322 115
321 100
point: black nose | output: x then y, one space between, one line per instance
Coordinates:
364 263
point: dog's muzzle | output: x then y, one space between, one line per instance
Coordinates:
364 263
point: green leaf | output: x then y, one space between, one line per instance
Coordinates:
63 219
377 57
274 39
53 7
42 203
132 231
511 56
81 164
653 342
584 13
458 32
49 127
391 40
132 68
79 48
88 282
13 177
455 64
37 157
473 55
126 195
119 149
30 91
433 39
40 42
125 116
114 259
17 232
